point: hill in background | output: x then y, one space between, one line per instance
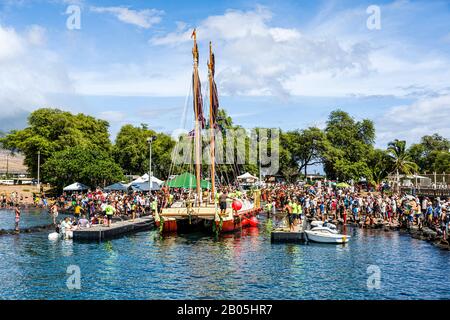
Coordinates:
16 162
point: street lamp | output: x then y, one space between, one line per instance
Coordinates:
150 140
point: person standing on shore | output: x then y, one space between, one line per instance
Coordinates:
109 210
17 218
444 224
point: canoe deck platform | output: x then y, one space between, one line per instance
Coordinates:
285 235
117 229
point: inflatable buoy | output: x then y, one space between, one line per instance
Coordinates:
253 222
53 236
245 222
237 205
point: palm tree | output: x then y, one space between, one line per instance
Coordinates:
401 161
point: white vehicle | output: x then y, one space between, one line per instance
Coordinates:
326 235
324 224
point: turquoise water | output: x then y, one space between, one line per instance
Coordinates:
31 217
239 266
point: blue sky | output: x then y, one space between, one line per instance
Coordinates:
280 64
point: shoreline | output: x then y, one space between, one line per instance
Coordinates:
425 233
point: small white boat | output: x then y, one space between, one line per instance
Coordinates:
324 224
326 235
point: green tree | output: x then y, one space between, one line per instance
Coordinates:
131 151
53 130
348 147
430 148
380 166
90 166
305 147
400 159
441 163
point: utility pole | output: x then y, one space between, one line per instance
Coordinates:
7 165
39 171
150 140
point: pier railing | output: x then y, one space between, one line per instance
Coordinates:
427 192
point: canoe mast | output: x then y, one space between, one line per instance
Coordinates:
198 117
212 118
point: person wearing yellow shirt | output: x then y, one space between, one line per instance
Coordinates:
78 210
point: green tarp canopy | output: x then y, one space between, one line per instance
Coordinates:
187 181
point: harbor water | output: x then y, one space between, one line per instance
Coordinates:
237 266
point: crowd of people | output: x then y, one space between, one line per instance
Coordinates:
298 201
10 200
355 205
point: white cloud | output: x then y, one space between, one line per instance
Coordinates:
11 44
257 58
142 18
29 73
112 116
411 122
37 35
332 55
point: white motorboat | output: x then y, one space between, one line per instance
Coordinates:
324 224
326 235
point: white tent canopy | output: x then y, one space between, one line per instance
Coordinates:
76 187
247 177
144 178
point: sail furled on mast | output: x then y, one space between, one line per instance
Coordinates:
198 100
215 95
196 85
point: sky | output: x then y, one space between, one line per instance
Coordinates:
283 64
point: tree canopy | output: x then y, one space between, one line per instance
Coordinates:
77 147
53 130
90 166
431 154
131 151
349 144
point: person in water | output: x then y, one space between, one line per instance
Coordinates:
17 210
54 212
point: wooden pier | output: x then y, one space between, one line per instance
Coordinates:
117 229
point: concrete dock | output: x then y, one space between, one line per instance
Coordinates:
285 235
117 229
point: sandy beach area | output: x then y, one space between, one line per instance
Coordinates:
25 191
